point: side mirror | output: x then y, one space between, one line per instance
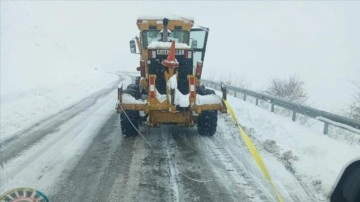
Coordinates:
132 46
193 44
348 187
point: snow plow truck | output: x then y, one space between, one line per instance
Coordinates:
168 89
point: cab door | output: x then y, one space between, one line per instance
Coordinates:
198 40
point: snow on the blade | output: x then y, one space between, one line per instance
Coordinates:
129 99
167 45
207 99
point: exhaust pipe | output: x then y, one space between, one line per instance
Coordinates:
165 30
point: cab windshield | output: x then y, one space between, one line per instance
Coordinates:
179 36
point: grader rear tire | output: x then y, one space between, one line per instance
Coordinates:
207 123
129 119
207 120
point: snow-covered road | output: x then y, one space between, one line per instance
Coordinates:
85 158
79 154
37 155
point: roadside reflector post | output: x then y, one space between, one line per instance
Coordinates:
272 107
294 116
244 97
326 128
234 93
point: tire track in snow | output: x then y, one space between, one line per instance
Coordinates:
169 142
210 170
236 150
25 139
80 181
41 164
192 169
244 178
156 179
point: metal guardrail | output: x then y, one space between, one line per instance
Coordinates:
326 117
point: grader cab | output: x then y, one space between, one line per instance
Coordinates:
168 89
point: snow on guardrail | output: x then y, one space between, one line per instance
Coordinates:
326 117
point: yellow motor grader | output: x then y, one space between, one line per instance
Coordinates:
169 90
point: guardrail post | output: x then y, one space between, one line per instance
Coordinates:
272 107
257 102
326 128
244 97
294 116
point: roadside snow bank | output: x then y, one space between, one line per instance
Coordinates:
316 160
21 109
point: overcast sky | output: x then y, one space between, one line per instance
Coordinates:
251 41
